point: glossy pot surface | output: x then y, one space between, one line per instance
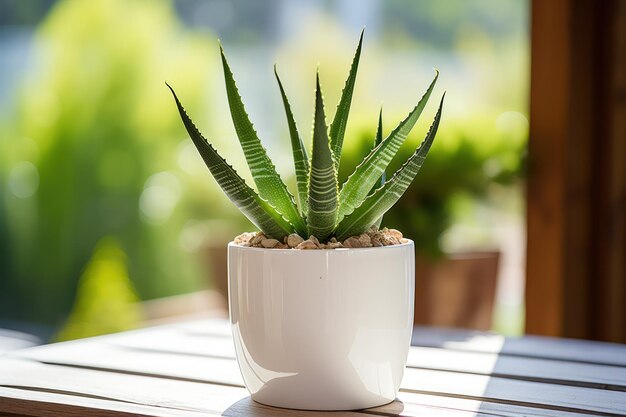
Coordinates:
322 329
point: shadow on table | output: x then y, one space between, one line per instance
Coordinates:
249 407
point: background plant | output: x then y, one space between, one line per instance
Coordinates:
80 166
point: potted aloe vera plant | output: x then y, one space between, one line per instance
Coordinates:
321 300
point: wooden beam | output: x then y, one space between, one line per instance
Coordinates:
548 116
576 178
610 182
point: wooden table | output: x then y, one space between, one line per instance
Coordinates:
189 369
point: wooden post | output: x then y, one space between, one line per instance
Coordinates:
576 210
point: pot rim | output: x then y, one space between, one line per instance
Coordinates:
341 250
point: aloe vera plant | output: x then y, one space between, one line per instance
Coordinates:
325 208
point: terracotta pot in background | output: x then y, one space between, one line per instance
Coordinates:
458 291
216 261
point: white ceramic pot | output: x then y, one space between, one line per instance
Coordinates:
322 329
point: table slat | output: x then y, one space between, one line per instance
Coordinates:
112 386
572 350
189 368
225 371
173 340
69 391
140 396
19 402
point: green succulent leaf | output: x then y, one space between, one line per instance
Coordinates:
378 141
368 172
383 177
323 191
300 157
268 182
257 210
338 126
386 196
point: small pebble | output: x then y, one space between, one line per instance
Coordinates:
365 241
244 239
294 240
352 242
269 243
334 245
395 233
307 244
314 240
256 240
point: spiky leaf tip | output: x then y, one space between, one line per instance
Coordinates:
340 121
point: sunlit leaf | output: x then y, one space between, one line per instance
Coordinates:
386 196
300 157
360 182
257 210
270 186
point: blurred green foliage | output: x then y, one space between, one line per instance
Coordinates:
105 300
439 24
94 150
91 145
467 159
